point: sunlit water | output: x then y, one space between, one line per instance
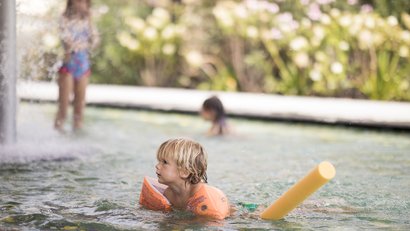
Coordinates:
91 181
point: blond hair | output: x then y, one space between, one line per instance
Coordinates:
189 156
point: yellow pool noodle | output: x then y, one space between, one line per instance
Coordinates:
319 176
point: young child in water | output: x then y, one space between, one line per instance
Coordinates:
78 36
213 110
181 169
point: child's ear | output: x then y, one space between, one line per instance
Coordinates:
183 173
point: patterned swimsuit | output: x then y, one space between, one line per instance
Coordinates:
78 65
80 36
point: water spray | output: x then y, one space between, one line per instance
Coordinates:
7 71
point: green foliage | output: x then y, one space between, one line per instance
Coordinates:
297 47
388 8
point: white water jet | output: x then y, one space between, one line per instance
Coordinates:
7 71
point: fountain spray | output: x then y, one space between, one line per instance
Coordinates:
8 71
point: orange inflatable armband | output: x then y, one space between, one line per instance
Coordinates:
152 197
210 202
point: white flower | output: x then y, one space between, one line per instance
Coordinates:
298 43
155 22
161 14
336 68
292 26
284 18
315 75
352 2
392 21
320 56
270 7
126 40
365 39
226 20
241 12
287 26
150 33
223 17
325 19
345 21
354 29
369 22
366 8
324 2
103 9
344 46
405 35
252 32
404 51
378 39
319 32
179 30
275 33
135 23
252 4
301 59
194 58
50 40
358 19
168 32
255 5
169 49
271 34
306 22
335 12
314 12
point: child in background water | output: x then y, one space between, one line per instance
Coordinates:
213 110
78 36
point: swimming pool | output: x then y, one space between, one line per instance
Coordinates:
92 181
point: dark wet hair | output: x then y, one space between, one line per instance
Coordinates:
70 11
215 105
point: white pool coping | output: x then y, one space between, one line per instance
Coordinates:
251 105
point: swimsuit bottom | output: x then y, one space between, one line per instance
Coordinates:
78 66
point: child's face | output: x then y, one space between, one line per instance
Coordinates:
207 114
80 5
167 171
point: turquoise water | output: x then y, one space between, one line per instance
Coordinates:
91 181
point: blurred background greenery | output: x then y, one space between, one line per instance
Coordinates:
338 48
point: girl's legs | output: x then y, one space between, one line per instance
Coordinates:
80 86
65 84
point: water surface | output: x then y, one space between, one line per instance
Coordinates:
91 181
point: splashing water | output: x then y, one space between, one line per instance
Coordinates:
39 142
7 72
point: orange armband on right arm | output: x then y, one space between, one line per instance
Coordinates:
152 196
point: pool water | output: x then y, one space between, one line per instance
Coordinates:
92 180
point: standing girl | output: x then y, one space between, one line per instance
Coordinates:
78 36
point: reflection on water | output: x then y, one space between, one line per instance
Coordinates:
91 181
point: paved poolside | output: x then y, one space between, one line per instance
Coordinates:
351 112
